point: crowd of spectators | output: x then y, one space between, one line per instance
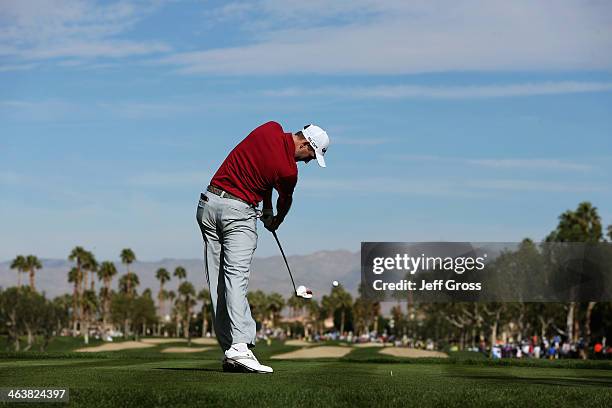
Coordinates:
552 349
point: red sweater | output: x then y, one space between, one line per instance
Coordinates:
265 159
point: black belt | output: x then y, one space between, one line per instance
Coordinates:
224 194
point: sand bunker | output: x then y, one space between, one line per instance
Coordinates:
124 345
185 349
207 341
315 352
298 343
163 341
412 353
366 345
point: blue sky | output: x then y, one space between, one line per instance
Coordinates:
471 120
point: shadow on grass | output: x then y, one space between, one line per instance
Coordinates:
499 378
526 363
563 382
212 370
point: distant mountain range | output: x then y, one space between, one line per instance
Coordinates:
316 271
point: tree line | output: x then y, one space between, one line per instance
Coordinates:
24 312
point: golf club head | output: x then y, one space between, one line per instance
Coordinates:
303 292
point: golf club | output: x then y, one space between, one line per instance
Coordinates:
303 293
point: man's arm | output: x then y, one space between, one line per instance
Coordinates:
282 208
267 200
283 204
284 186
267 216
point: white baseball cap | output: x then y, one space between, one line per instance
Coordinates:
319 141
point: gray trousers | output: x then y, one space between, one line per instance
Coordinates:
229 231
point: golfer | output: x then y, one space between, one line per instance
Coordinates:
227 215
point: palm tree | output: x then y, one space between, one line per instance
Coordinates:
31 265
80 256
258 303
162 276
19 263
366 311
296 310
127 257
328 309
90 266
180 273
342 300
106 272
590 222
172 295
204 297
582 225
90 305
74 277
128 283
275 304
163 295
375 315
296 305
187 295
360 315
313 312
127 286
62 303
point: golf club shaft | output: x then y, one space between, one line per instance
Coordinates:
285 258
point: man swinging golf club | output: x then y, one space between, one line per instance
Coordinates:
227 215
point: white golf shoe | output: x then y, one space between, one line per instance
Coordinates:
237 359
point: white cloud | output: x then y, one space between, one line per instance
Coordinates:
535 186
43 29
104 48
231 11
444 187
399 37
504 163
143 110
56 109
16 67
447 92
544 164
392 186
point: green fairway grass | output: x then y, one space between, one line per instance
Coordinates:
146 377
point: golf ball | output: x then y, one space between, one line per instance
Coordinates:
335 283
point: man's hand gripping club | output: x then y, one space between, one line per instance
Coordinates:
271 221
